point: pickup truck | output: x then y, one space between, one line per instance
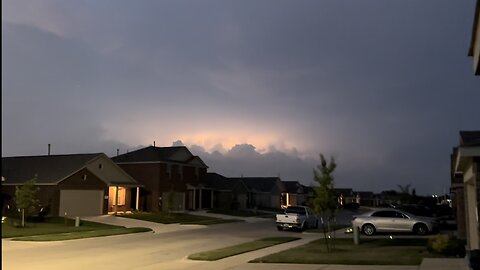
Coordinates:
297 217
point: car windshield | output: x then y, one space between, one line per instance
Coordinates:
295 210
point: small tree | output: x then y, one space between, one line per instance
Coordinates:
26 199
325 201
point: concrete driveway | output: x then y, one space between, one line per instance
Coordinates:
130 222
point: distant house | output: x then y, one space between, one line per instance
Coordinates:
474 50
165 171
72 185
228 193
344 195
264 192
465 186
294 194
366 198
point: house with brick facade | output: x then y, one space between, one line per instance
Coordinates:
168 172
71 185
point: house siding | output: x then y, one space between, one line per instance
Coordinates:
76 181
159 178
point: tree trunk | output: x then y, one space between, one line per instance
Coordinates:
23 218
325 236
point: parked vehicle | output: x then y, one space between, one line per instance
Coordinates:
393 220
297 217
417 210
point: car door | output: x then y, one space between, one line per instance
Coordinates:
382 220
398 221
403 222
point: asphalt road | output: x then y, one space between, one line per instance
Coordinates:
161 250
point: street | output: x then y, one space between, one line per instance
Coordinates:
166 250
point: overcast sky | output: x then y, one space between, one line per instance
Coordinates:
256 88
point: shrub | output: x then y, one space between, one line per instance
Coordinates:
447 245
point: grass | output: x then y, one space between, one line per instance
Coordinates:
177 218
221 253
82 234
332 228
50 226
392 251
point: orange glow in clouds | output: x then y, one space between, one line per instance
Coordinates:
211 141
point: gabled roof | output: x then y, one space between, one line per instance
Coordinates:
343 191
365 194
173 154
52 169
46 169
220 182
261 184
470 138
293 187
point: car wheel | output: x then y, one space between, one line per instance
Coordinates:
316 224
420 229
280 228
368 229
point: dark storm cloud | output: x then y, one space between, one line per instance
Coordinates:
382 86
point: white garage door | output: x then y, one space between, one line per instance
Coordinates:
81 203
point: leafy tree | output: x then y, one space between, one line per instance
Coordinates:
26 199
325 200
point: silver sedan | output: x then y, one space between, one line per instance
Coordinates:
392 220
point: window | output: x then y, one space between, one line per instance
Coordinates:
121 196
122 192
388 214
295 210
100 166
169 170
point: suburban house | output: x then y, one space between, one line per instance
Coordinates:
344 195
474 50
227 193
72 185
294 194
264 192
465 186
366 198
168 174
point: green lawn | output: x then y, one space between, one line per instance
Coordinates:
81 234
332 228
53 229
369 252
221 253
50 226
177 218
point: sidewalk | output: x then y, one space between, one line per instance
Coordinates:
246 219
130 222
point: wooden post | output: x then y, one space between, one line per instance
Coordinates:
116 200
356 235
137 199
